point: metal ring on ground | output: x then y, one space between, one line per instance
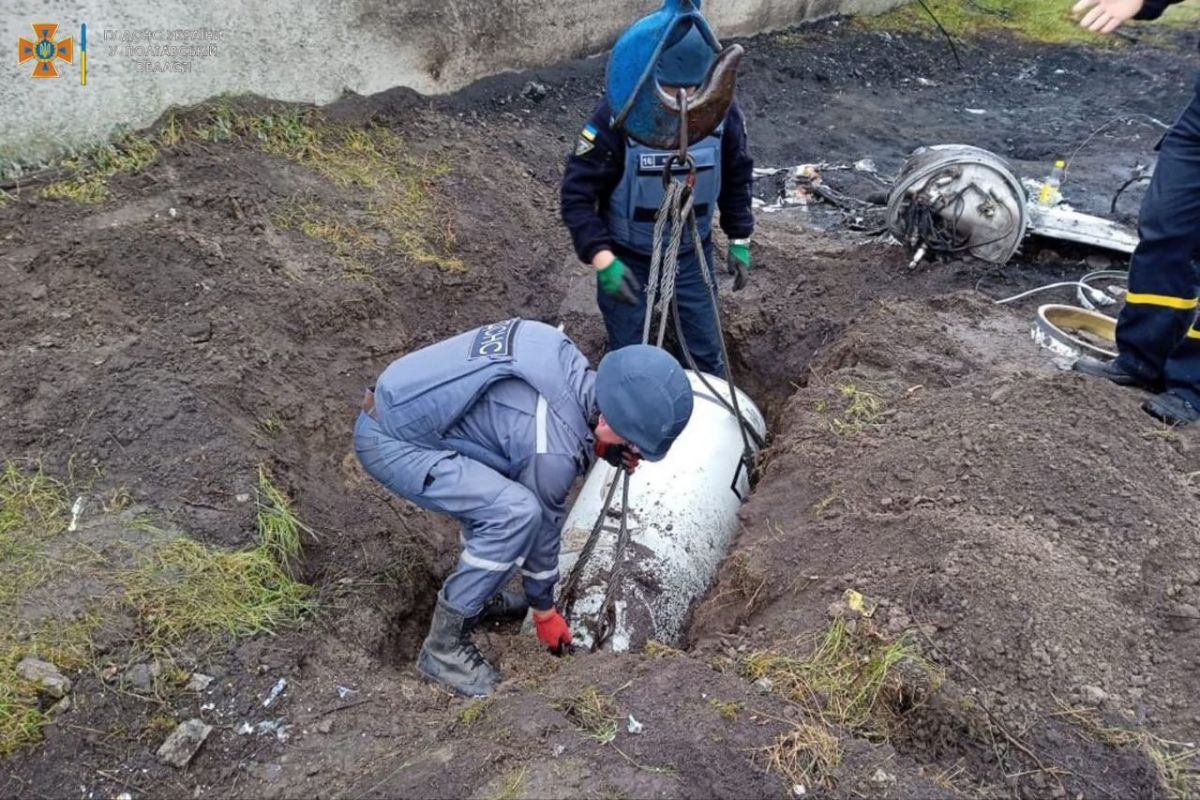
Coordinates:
1055 326
1115 275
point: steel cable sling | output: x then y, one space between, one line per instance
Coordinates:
678 207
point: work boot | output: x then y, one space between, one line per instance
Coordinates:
504 606
449 657
1171 409
1113 371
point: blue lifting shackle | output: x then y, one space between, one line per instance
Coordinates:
645 111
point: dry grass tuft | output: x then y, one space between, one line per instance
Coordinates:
805 756
592 712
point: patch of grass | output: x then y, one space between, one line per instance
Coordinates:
511 788
118 500
848 679
862 410
21 719
170 587
91 171
1177 765
160 726
471 713
30 500
656 649
400 188
183 587
278 528
272 426
1036 20
349 241
805 756
592 712
729 709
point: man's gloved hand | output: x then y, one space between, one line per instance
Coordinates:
738 261
552 630
617 281
619 455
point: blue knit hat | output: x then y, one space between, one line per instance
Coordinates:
686 62
645 397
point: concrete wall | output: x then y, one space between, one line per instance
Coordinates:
307 50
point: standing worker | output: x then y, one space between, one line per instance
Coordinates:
611 193
1158 340
492 427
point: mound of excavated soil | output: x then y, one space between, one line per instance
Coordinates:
1025 538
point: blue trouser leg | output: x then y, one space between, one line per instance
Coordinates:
500 518
1155 334
540 573
697 310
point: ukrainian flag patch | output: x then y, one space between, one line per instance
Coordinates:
587 140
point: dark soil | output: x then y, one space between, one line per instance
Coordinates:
1032 532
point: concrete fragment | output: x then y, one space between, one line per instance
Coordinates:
141 677
183 743
49 680
199 682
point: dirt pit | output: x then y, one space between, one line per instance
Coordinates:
963 572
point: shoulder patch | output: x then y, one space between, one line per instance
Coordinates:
495 340
589 132
583 147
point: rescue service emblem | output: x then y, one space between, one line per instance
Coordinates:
495 340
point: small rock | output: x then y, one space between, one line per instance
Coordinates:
882 778
38 292
534 91
47 677
267 773
1097 261
764 685
324 726
140 677
183 743
199 682
1093 695
198 332
1183 616
61 707
634 726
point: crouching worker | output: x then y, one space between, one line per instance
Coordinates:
492 427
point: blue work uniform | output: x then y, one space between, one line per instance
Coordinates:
611 190
1158 339
491 426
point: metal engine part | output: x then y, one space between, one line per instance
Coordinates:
957 198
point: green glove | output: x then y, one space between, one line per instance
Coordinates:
738 261
617 281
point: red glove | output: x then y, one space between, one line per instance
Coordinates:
552 630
